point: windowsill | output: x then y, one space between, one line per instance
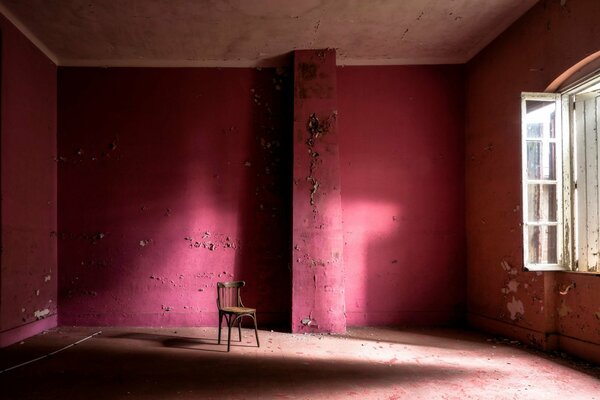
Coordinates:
565 271
591 273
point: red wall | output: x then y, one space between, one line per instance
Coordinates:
169 181
28 274
401 150
539 47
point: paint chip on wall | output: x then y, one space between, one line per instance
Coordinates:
512 286
515 307
508 268
564 310
40 314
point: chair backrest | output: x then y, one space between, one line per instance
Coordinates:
228 294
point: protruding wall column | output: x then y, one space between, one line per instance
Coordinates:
318 302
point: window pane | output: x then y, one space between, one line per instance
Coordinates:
541 160
541 203
540 119
542 244
535 130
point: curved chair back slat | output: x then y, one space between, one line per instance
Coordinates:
228 294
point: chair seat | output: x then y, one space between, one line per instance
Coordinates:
238 310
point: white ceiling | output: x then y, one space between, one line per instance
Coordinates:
260 32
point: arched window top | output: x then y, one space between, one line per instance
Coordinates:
575 74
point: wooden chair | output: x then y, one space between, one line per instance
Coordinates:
229 303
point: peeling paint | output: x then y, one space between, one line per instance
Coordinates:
95 263
314 263
564 310
513 285
91 237
566 290
41 314
313 190
218 240
508 268
316 128
145 242
515 307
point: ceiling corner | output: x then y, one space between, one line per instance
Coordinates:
28 34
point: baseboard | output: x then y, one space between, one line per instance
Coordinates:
540 340
404 318
21 332
544 341
585 350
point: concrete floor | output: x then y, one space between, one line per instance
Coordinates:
367 363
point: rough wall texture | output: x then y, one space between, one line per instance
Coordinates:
173 179
169 181
317 235
28 261
544 43
401 147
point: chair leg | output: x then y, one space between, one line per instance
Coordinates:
220 322
256 330
240 328
229 323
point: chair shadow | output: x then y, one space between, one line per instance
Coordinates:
187 343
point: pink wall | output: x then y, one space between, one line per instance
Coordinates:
401 149
169 181
28 273
318 302
539 47
150 157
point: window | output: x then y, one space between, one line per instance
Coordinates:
561 169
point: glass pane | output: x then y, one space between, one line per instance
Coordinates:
541 203
542 244
540 118
541 160
535 130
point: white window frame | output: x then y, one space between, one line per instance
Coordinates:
570 229
559 223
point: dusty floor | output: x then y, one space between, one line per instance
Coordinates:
368 363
